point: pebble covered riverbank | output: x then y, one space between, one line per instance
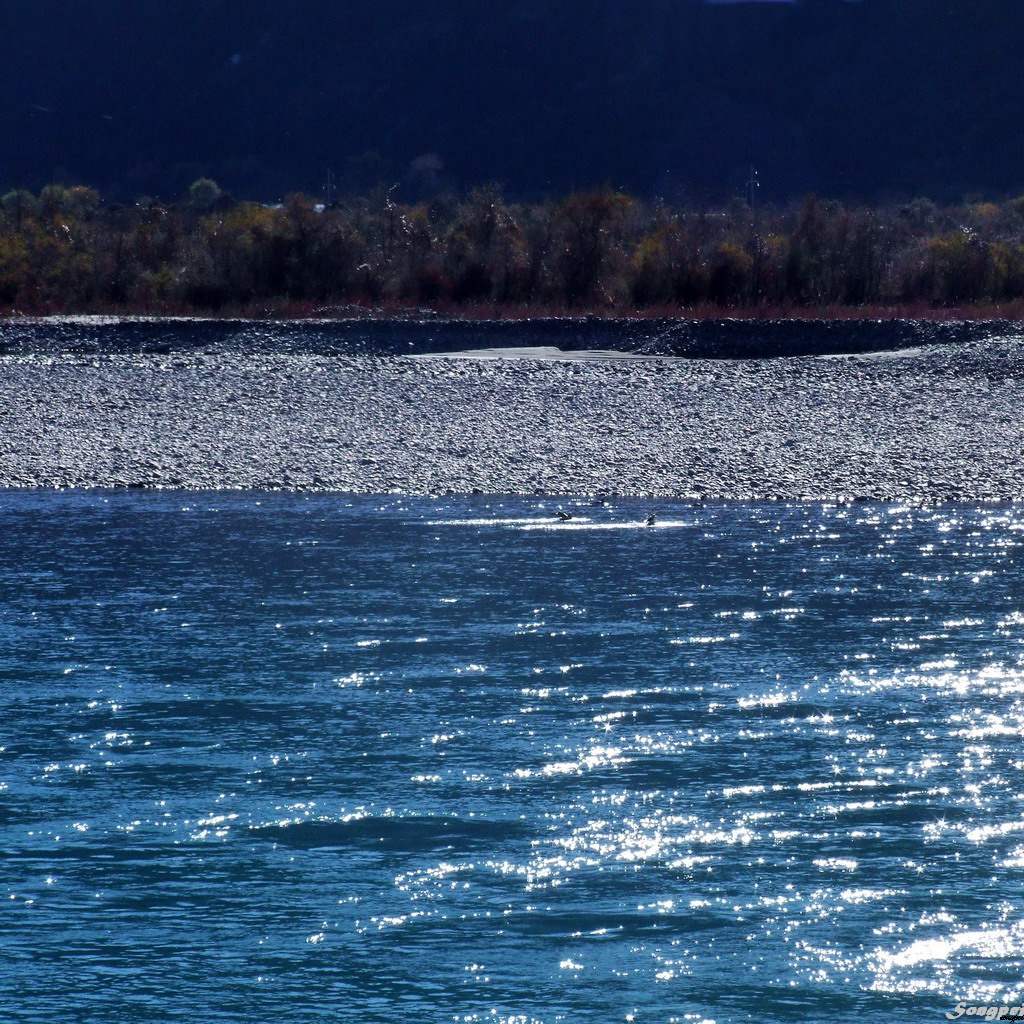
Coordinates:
934 423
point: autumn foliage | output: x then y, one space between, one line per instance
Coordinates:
65 250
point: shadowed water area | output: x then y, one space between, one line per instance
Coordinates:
300 758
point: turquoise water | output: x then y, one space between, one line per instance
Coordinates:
289 759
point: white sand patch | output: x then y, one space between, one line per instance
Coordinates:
542 352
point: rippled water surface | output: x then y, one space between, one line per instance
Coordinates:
276 758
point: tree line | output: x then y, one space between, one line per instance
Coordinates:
65 250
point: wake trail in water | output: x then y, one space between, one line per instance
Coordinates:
560 525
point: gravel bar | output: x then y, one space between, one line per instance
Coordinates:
935 423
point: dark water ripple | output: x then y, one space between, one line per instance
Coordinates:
308 758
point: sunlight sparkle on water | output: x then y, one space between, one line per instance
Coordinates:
458 760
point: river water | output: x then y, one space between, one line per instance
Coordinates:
285 758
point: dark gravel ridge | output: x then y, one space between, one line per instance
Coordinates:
703 339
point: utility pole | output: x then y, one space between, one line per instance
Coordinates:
330 189
753 187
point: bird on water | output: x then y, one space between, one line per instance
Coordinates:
563 516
